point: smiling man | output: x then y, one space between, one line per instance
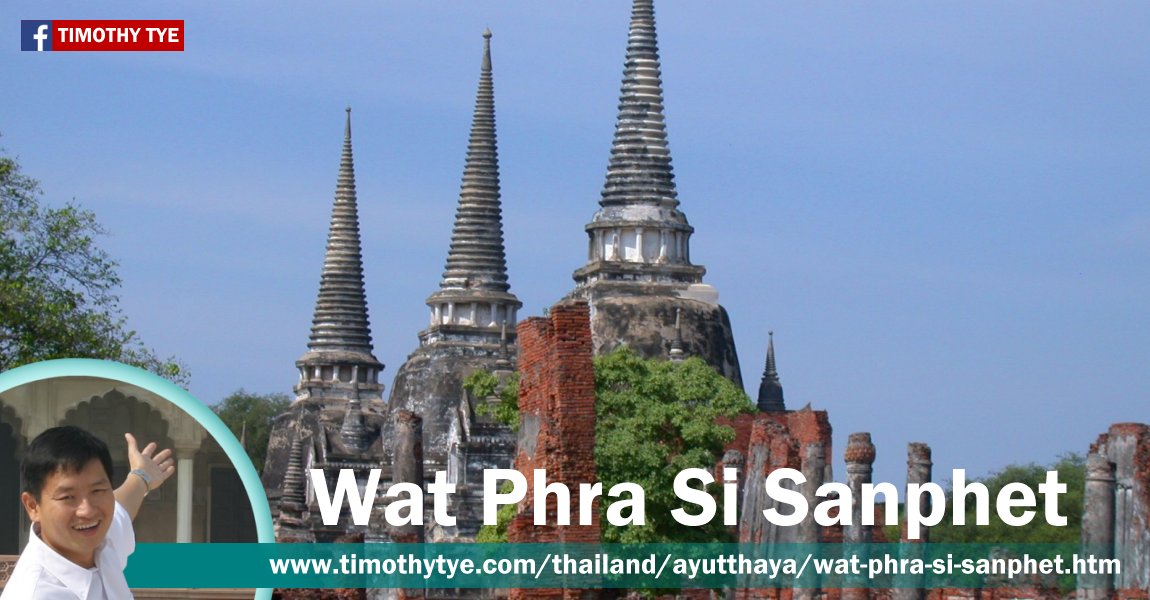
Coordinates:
81 527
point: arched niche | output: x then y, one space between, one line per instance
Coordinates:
12 443
220 510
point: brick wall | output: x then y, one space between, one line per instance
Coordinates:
557 427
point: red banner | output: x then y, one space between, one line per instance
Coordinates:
113 36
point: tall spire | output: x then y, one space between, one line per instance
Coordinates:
339 350
640 167
639 234
770 389
476 259
340 322
474 291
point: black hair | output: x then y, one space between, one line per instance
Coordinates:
67 448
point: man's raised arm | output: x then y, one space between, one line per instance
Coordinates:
150 469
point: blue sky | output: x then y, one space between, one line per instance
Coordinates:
940 209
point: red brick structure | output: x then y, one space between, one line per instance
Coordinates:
557 427
767 441
1116 522
1029 592
557 406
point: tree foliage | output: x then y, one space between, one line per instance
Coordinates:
249 416
497 533
58 287
483 385
654 419
1071 472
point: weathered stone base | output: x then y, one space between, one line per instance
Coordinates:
643 318
430 384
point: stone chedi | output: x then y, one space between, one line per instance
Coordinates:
770 388
472 325
338 415
639 274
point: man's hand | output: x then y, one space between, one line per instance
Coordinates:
159 466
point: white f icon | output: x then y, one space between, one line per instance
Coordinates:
41 35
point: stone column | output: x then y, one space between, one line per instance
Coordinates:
185 468
408 467
807 532
918 470
859 458
1097 525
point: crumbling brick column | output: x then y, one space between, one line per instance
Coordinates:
1116 518
408 467
813 468
859 457
918 470
557 427
1097 524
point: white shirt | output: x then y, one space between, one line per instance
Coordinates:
42 574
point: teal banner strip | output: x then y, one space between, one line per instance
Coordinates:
660 566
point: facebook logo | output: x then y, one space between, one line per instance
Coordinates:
36 36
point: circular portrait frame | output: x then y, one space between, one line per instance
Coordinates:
87 367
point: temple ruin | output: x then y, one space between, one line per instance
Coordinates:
643 288
638 288
338 419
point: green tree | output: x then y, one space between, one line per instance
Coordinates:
497 533
57 287
484 384
1071 470
249 416
654 419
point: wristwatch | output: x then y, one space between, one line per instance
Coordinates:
145 477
